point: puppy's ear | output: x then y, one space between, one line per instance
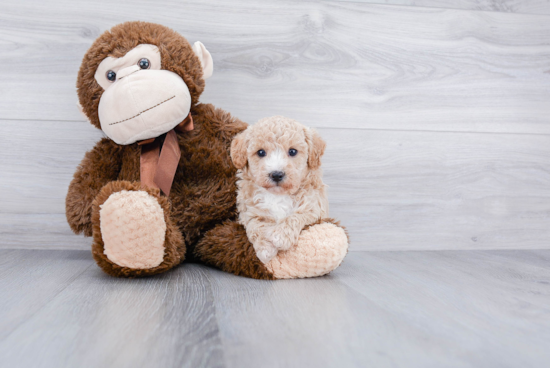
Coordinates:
239 147
316 146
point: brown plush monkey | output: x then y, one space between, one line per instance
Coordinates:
161 188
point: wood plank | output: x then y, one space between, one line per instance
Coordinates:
422 190
482 308
164 321
392 309
42 157
327 64
393 190
300 323
382 309
31 279
39 231
507 6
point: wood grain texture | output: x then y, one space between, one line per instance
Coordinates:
392 189
412 101
100 321
397 309
433 190
29 280
476 308
379 309
327 64
507 6
39 231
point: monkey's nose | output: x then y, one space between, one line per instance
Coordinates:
277 176
127 71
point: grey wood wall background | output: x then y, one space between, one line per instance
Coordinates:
437 114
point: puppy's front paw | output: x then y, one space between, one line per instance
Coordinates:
265 251
282 237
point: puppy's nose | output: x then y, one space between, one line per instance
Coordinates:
277 176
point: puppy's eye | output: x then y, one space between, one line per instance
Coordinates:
111 76
261 153
144 63
292 152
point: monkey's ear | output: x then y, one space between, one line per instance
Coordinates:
206 59
316 148
239 147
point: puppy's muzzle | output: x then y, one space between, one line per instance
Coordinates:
277 176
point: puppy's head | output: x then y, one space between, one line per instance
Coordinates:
277 153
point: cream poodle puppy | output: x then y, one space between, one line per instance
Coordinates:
280 190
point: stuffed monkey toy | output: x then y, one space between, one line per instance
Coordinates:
160 187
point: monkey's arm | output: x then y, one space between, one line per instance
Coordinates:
100 165
209 194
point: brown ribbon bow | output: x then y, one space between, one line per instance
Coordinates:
158 166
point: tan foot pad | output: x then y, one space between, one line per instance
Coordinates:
133 229
320 250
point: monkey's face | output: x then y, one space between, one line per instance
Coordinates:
139 98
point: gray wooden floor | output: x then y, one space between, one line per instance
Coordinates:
379 309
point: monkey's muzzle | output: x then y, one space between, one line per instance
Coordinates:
143 104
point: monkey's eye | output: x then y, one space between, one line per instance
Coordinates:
292 152
261 153
144 63
111 75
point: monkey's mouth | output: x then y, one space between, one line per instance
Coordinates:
141 112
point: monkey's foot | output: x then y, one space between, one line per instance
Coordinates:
321 248
133 234
133 228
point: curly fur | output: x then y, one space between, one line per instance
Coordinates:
274 213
